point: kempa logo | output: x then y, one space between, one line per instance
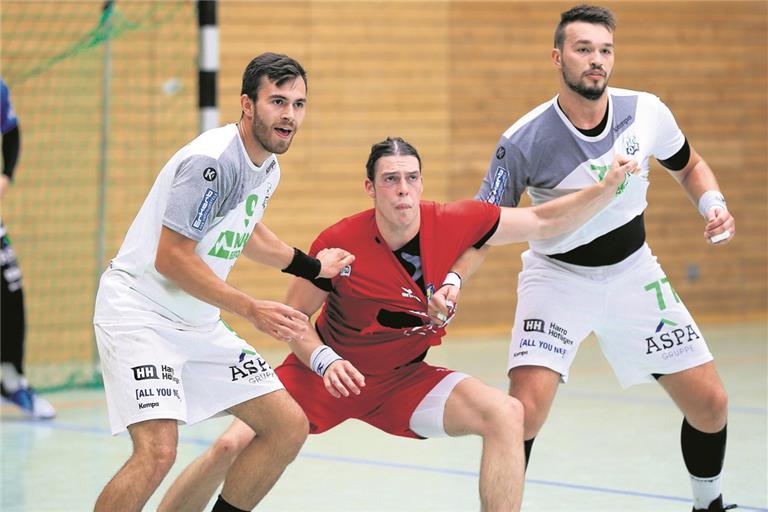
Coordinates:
533 324
145 371
230 244
602 170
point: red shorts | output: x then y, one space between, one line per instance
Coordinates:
387 401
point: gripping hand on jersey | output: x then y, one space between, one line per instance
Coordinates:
619 172
442 304
332 261
341 378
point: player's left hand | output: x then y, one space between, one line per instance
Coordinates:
341 378
720 228
442 305
332 261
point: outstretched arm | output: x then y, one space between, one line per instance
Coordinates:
340 377
564 213
699 183
266 248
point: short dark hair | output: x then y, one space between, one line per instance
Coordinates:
586 13
392 146
278 68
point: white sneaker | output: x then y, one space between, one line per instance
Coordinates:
30 403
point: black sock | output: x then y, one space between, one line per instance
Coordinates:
703 453
223 506
528 446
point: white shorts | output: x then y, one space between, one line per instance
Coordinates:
158 370
641 324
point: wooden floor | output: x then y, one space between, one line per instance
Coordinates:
602 448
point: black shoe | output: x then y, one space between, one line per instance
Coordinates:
716 506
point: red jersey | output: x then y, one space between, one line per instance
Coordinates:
377 283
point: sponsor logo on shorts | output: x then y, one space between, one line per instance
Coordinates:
149 405
245 352
559 333
253 370
156 392
533 324
167 373
672 343
499 185
541 345
144 372
204 208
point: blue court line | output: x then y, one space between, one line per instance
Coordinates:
396 465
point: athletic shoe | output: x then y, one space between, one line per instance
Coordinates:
30 403
716 506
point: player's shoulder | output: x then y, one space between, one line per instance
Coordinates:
350 227
642 96
460 208
530 120
214 143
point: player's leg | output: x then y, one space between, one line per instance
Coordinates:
476 408
434 402
14 386
647 333
193 488
701 397
556 308
280 428
154 450
535 387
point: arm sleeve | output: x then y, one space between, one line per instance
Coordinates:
193 201
472 222
669 138
11 150
505 179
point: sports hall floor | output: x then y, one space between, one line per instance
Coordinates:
602 448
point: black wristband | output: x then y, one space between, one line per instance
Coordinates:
303 265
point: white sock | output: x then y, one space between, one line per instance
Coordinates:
12 380
705 490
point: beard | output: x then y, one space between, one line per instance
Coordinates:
590 92
264 136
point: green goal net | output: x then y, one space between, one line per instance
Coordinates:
104 93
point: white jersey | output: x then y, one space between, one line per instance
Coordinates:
209 191
544 152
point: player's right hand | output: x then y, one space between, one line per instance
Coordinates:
620 169
282 322
442 304
341 377
333 260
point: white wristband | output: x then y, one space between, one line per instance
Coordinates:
711 199
453 279
321 359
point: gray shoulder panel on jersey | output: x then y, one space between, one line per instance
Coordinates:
544 151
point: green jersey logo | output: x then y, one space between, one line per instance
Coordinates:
230 244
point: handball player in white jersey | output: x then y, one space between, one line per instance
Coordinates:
602 277
167 356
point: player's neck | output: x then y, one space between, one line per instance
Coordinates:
397 235
581 112
256 151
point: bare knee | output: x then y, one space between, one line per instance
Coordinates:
712 411
227 447
502 416
293 432
156 459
